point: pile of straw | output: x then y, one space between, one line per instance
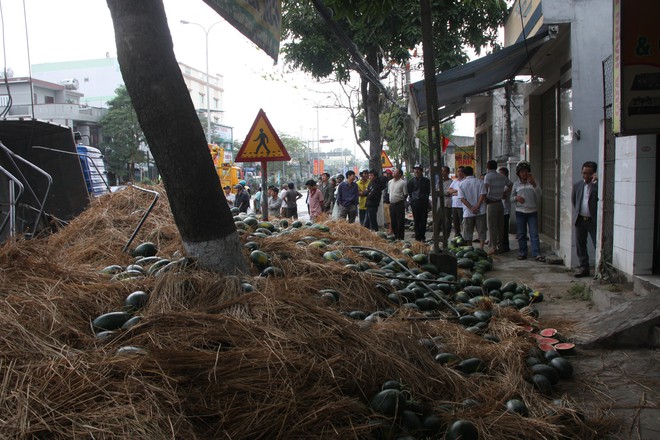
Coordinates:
218 362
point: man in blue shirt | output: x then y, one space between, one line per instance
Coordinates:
347 197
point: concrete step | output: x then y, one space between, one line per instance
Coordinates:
631 323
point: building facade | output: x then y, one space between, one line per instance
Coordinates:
52 102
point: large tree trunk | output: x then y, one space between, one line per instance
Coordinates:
373 108
174 134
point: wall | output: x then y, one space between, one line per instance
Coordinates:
634 205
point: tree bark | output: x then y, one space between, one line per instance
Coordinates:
373 116
175 136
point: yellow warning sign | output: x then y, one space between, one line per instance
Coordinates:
385 160
262 144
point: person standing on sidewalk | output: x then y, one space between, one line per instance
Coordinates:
290 200
419 191
496 185
314 200
446 213
456 204
328 192
385 180
347 197
584 199
506 204
362 185
398 192
473 196
374 194
526 195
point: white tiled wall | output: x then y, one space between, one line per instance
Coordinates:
634 204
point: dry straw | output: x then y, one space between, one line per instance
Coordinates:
215 361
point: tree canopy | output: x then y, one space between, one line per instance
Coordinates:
122 136
385 34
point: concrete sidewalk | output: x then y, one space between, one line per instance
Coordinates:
625 381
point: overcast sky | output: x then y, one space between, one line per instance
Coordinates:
68 30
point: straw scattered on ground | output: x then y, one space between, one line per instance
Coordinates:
213 361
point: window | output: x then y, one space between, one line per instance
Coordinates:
216 103
201 99
49 100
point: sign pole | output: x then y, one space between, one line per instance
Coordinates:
264 192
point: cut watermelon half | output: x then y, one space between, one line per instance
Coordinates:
536 336
546 347
564 347
548 332
550 341
527 328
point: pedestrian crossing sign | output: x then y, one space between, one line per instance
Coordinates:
385 160
262 144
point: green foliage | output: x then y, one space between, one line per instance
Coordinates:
385 32
122 135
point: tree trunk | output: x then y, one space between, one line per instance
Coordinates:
373 116
174 134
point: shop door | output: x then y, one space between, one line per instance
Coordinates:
656 240
550 166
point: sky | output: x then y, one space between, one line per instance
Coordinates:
69 30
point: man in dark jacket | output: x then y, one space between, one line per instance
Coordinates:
584 200
242 200
419 191
374 194
347 197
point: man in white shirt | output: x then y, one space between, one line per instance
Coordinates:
398 191
456 204
229 196
472 193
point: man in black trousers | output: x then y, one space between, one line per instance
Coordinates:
584 200
419 191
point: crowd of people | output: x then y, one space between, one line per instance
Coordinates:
472 205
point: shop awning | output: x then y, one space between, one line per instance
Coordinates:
457 84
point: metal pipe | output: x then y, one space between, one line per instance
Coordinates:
144 217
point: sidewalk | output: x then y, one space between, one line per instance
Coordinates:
624 381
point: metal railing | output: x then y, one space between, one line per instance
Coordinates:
40 203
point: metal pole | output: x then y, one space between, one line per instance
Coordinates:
318 143
208 80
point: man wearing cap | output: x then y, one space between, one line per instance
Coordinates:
584 199
242 200
419 191
314 200
229 196
496 186
363 184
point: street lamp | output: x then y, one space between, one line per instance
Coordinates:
208 83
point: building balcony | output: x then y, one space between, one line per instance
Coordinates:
59 112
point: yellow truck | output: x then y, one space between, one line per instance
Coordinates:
228 172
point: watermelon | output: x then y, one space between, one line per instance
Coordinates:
110 321
548 332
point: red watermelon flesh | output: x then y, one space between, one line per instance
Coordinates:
550 341
548 332
565 346
546 347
